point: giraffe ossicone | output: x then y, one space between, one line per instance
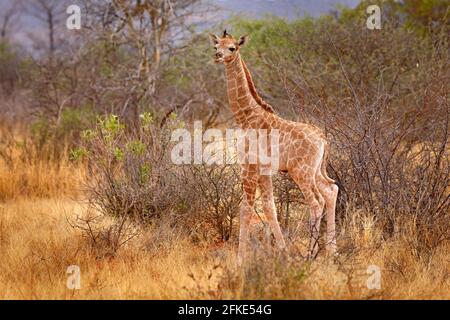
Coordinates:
303 153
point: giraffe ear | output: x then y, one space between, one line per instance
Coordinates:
214 39
243 40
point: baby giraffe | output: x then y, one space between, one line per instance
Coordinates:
302 152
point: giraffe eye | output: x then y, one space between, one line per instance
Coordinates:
231 49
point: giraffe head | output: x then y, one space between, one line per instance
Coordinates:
226 47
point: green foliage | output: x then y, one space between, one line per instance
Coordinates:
136 147
146 120
423 16
173 116
40 128
145 171
118 153
88 135
7 54
110 126
73 121
264 34
78 154
72 125
134 175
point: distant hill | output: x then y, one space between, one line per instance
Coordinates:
283 8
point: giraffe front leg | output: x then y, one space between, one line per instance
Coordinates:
265 184
245 216
249 183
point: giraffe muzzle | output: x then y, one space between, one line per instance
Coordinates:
218 57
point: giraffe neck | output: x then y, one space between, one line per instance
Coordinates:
242 102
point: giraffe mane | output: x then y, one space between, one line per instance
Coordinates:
267 107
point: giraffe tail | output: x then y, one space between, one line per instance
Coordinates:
323 165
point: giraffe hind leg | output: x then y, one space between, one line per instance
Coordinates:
307 183
329 192
247 208
265 183
323 164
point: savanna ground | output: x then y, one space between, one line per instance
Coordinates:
39 243
86 179
43 230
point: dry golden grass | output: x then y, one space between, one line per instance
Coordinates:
38 243
41 179
26 170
